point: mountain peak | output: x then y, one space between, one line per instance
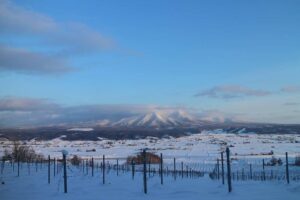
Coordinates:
157 119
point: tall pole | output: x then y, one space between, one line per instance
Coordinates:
103 170
117 167
175 168
228 170
65 173
49 169
133 168
181 169
145 171
287 168
222 163
92 166
54 165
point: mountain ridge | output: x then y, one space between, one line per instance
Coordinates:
157 119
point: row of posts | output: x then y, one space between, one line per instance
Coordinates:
229 178
54 170
229 181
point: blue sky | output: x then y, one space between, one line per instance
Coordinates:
230 58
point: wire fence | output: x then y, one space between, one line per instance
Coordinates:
224 168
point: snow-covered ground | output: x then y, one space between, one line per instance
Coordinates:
198 151
84 186
193 148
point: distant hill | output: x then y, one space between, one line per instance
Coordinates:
137 128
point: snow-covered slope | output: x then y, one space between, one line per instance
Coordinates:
158 119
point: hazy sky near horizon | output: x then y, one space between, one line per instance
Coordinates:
231 58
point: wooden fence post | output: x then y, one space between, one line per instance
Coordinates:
228 170
56 167
65 173
287 168
83 163
174 168
54 164
48 169
181 169
161 169
87 166
222 163
145 171
117 167
132 168
92 166
103 170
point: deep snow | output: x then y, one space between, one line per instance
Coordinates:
84 186
198 151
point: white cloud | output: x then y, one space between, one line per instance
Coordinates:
220 116
8 104
17 20
22 60
67 38
15 111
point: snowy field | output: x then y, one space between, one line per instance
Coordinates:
84 186
193 148
197 152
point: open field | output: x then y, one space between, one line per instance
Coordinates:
193 148
82 185
197 172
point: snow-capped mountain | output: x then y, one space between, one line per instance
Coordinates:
158 119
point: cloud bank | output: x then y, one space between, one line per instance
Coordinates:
22 60
66 38
15 112
24 112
